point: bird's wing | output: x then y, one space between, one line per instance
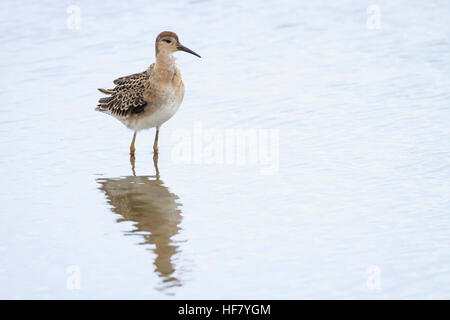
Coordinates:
122 80
125 79
128 95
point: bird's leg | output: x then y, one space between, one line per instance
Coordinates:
132 162
155 163
132 148
155 144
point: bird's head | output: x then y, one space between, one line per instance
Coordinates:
167 43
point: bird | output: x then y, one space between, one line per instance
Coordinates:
148 99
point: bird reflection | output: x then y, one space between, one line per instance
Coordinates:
146 201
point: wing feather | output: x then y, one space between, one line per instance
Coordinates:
127 97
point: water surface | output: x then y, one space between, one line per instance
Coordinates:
358 203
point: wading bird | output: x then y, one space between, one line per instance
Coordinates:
148 99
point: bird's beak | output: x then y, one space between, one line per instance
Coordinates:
183 48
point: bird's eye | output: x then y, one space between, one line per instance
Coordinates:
168 41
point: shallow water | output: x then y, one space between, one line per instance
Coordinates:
347 193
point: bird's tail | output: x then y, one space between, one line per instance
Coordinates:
102 103
106 91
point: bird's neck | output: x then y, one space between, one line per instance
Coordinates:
164 67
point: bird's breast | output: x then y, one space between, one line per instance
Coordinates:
163 102
169 107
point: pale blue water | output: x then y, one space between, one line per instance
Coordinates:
358 208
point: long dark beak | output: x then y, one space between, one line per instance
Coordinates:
183 48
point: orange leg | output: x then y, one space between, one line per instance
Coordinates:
155 144
132 148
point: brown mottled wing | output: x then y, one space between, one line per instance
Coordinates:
127 97
123 80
